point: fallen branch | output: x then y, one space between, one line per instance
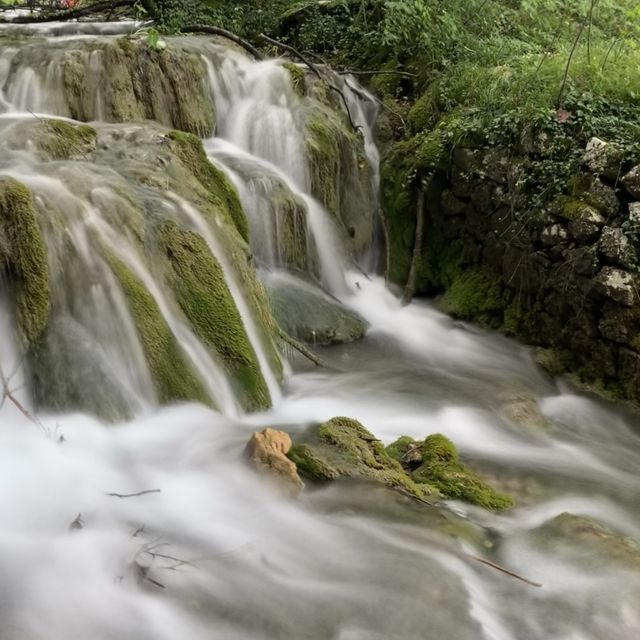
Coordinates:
493 565
7 394
410 287
377 72
72 14
300 348
132 495
293 52
223 33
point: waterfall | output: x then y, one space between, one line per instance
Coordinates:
129 294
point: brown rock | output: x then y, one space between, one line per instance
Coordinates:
267 452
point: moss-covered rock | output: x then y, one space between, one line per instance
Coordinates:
435 463
587 540
137 83
174 380
343 448
339 172
61 140
474 294
442 468
298 77
24 258
222 194
198 282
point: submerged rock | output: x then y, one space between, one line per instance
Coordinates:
307 313
343 448
588 539
267 452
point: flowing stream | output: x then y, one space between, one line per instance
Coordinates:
229 559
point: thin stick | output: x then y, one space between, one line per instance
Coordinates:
568 65
132 495
377 72
300 348
223 33
493 565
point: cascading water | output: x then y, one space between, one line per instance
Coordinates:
214 553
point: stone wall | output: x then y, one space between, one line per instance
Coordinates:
562 276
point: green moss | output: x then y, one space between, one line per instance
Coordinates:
399 447
298 78
174 380
635 343
222 193
60 140
202 293
25 258
553 361
442 468
430 150
424 113
343 448
473 294
340 175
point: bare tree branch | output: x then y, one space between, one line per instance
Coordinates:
132 495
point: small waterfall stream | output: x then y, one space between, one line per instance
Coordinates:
230 559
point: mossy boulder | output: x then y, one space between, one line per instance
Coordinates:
474 294
435 462
343 448
23 259
588 540
339 172
309 314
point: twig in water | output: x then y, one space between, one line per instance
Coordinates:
132 495
300 348
508 572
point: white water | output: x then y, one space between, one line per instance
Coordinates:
346 562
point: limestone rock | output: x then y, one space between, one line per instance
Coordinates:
523 411
553 235
634 215
618 323
574 209
615 247
583 232
603 158
615 284
267 452
631 182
